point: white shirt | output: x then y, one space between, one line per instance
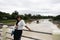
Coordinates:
21 24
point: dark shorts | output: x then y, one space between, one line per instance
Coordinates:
17 34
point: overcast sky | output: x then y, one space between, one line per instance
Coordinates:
43 7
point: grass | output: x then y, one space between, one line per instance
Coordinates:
12 22
8 22
57 22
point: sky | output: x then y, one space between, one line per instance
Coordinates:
43 7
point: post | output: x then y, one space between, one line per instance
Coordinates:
4 34
56 35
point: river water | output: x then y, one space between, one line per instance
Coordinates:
44 26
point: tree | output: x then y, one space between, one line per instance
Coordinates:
57 18
26 17
14 14
4 15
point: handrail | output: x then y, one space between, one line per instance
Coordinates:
36 31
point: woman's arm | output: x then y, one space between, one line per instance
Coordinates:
28 28
16 26
23 22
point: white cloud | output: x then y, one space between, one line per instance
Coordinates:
33 5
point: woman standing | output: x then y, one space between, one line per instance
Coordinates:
19 27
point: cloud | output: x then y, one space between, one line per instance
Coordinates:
55 1
33 5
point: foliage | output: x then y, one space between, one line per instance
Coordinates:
57 18
14 14
4 15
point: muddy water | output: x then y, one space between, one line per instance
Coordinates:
43 26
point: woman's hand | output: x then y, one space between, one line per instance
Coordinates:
28 28
16 27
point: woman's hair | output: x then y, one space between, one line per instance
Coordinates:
17 23
17 19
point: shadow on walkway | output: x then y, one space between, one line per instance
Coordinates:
39 32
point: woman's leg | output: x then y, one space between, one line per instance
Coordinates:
17 35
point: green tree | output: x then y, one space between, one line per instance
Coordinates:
14 14
57 17
26 17
4 15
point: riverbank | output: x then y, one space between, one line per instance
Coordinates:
8 22
56 22
12 22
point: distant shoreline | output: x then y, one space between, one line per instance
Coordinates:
56 22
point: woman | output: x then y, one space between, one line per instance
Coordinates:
19 27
